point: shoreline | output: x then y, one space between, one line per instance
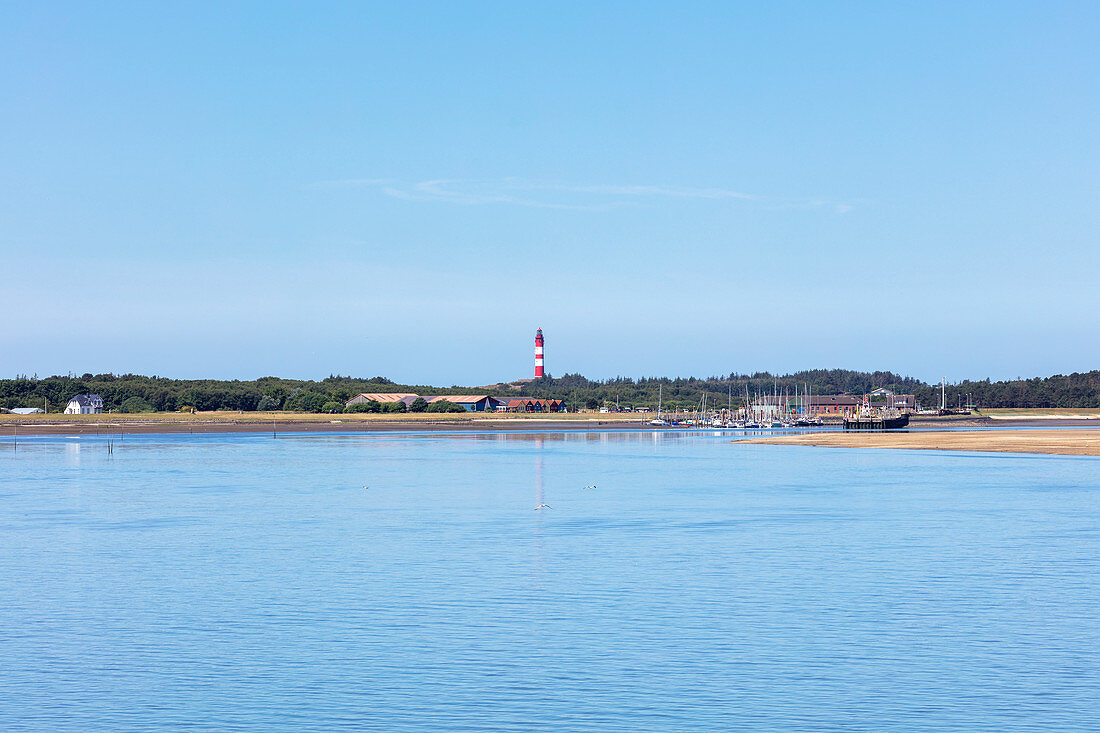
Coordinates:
1064 442
291 423
213 423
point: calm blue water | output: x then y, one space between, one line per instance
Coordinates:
236 582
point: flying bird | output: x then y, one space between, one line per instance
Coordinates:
543 506
590 487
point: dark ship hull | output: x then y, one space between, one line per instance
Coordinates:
876 423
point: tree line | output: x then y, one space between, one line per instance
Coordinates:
137 393
1077 390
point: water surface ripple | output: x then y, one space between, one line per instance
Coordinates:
236 582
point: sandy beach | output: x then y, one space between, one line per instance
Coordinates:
1043 414
1069 442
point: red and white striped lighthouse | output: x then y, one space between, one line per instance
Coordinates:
539 373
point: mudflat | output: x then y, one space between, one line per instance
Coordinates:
1068 442
284 422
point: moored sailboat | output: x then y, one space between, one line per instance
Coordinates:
659 422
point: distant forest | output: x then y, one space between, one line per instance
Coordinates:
135 393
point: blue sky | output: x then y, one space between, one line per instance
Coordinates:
411 189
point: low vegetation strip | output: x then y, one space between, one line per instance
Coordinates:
1068 442
1041 413
12 426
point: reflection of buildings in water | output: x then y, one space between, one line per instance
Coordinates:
539 498
581 435
567 436
72 452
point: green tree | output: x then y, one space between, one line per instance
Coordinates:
136 404
268 403
418 405
332 407
311 402
445 406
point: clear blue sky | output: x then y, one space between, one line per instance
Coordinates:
410 189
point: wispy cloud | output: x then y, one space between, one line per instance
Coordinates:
553 195
690 193
351 182
474 193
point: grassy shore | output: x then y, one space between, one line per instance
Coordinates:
1044 413
1068 442
225 422
233 421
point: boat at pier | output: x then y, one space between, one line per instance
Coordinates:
871 422
887 417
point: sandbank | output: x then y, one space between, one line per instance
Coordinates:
1068 442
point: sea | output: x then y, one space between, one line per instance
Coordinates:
673 581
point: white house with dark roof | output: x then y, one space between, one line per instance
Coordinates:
85 404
